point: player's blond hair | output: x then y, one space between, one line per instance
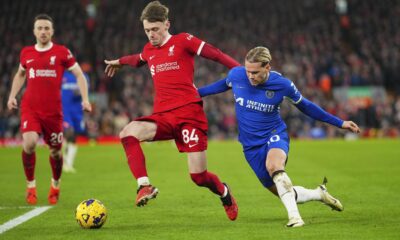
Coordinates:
259 54
155 12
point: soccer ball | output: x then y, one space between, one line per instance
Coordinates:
91 213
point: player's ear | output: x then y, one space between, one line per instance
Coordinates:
268 67
167 25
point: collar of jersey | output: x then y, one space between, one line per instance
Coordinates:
43 49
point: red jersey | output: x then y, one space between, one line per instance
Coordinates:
172 68
44 71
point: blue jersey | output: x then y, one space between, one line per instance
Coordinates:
72 102
257 107
261 127
71 97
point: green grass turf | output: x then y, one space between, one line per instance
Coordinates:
364 175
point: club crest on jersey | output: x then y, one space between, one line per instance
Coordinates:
269 94
31 73
52 60
171 50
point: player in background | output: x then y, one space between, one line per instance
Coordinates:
178 113
42 66
73 118
258 93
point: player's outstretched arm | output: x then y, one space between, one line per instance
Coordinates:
351 126
316 112
83 87
112 67
18 82
214 88
213 53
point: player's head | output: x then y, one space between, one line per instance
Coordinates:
257 64
43 28
155 22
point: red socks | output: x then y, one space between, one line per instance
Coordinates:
137 164
135 156
208 180
56 167
29 161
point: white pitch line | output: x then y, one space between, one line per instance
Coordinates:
19 207
23 218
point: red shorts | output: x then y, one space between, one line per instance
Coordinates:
187 125
50 126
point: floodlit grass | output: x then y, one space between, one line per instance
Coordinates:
364 175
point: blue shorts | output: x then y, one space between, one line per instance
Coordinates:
257 156
74 118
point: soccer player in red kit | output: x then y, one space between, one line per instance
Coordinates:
178 113
43 65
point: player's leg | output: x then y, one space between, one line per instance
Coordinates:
201 177
75 126
53 136
70 149
318 194
56 163
29 141
131 136
275 164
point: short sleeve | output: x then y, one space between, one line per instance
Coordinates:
22 60
191 43
69 61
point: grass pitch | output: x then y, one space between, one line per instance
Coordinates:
364 175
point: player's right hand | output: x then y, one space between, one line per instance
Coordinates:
86 106
112 67
351 126
12 104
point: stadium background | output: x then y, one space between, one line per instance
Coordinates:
343 55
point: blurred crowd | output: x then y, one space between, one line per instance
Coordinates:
322 46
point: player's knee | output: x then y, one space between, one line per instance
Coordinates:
55 153
273 167
123 133
200 179
128 130
70 136
138 130
29 146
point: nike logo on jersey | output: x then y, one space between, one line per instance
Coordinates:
192 145
30 60
151 57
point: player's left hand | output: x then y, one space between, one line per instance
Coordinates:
86 106
12 104
351 126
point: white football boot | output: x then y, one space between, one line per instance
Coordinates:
328 199
295 222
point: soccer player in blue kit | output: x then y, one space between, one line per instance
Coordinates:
73 122
258 93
